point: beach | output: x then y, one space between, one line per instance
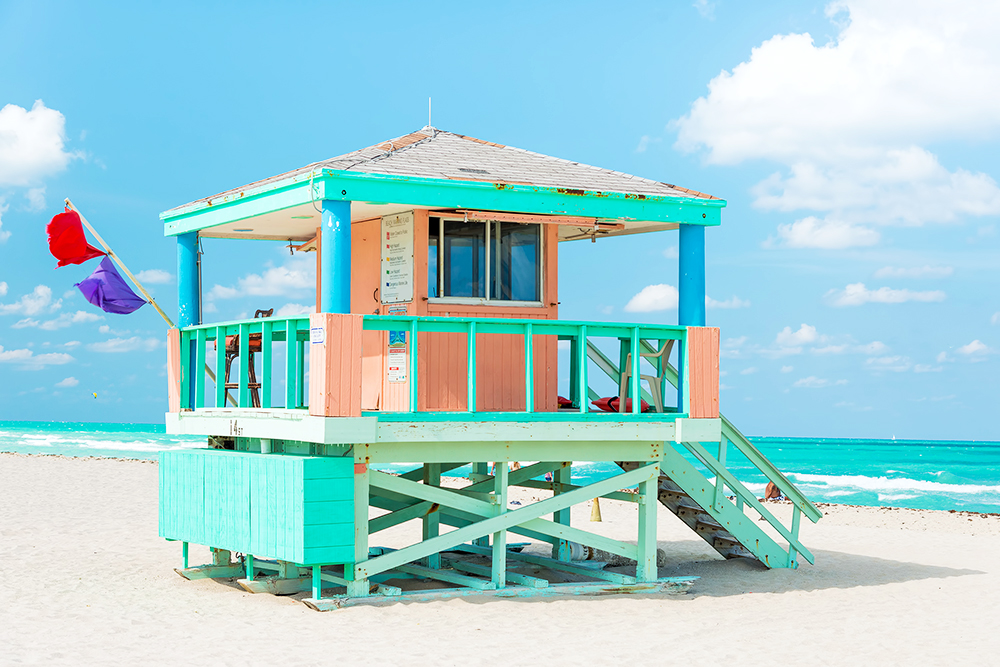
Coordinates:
87 580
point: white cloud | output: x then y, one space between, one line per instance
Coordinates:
976 348
3 235
71 344
942 357
895 364
31 144
848 120
295 276
857 294
154 277
993 320
118 345
33 303
748 371
914 272
927 368
31 361
734 302
294 309
64 320
813 382
787 369
68 382
826 234
705 8
671 252
36 198
805 334
3 290
652 298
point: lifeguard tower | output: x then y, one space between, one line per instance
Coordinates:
436 341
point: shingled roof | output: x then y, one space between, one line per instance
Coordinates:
433 153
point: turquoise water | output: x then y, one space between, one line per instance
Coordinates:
899 473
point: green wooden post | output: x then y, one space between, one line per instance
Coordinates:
582 374
184 554
432 521
723 446
645 570
250 572
481 468
358 588
290 364
560 476
470 401
574 372
792 553
244 365
220 367
529 370
413 366
199 369
636 394
317 583
300 373
186 370
499 573
265 363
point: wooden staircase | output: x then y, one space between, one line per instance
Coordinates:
717 509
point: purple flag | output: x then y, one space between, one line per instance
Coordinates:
106 290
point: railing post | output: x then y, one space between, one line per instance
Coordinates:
636 396
335 364
792 553
414 395
265 363
186 374
582 373
529 370
499 571
244 340
719 484
574 380
173 370
199 369
220 367
470 401
645 570
291 365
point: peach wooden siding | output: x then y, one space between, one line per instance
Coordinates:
335 366
442 372
703 358
173 370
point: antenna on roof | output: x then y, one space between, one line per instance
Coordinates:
429 112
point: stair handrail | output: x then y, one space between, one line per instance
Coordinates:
755 456
730 432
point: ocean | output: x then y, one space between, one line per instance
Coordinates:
940 475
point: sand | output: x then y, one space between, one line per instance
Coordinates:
86 580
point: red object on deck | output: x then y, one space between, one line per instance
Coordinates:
564 402
67 242
611 404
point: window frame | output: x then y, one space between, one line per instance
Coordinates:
488 273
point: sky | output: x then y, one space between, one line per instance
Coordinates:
855 276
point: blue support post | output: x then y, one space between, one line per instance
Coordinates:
188 302
691 276
335 257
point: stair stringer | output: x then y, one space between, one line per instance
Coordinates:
734 534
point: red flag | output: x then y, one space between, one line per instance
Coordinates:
67 242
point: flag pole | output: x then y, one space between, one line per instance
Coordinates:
118 261
149 298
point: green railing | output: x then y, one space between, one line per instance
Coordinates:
253 388
579 334
724 479
257 335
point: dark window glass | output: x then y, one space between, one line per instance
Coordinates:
516 253
433 235
464 259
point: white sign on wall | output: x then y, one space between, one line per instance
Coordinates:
396 242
